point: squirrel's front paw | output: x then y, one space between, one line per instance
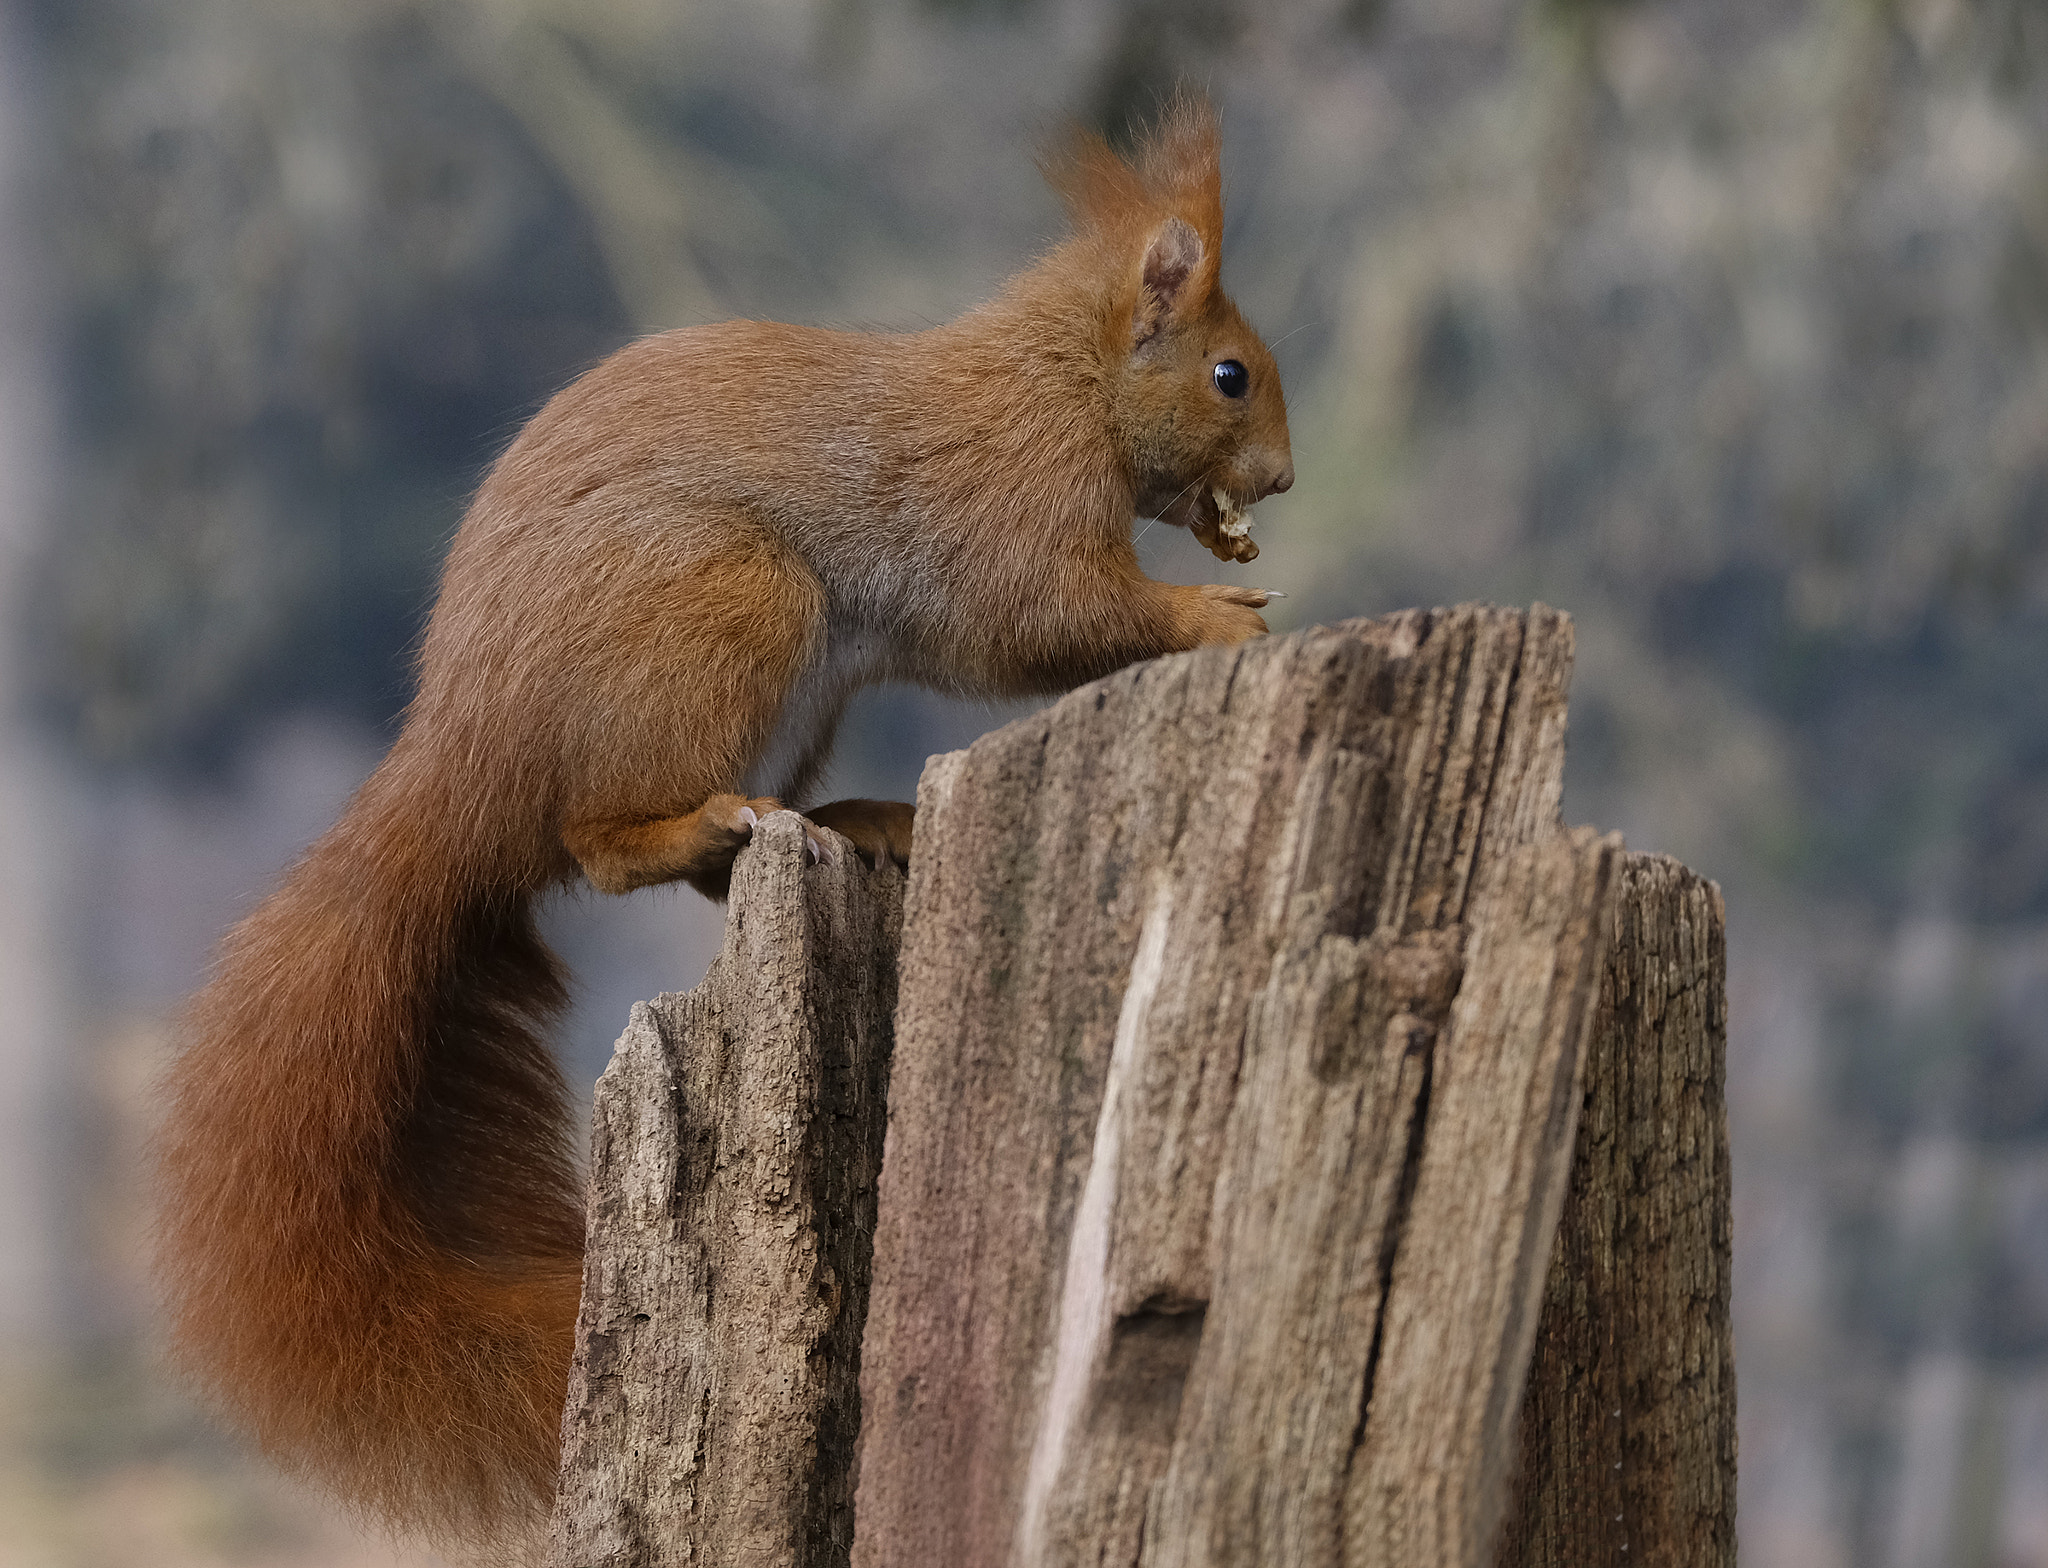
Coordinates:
1256 598
1229 614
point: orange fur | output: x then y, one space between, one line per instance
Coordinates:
652 617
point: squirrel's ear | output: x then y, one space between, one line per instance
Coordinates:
1169 279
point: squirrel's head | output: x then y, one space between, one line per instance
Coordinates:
1197 406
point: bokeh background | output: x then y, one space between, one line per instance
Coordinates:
1722 325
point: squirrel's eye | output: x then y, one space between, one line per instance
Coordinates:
1232 379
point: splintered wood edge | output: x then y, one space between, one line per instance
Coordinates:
1431 1473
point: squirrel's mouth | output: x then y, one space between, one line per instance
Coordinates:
1217 518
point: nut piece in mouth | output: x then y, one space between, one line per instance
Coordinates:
1229 537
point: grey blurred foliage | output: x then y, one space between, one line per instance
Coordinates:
1731 339
1721 325
314 269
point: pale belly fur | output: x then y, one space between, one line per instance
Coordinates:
796 753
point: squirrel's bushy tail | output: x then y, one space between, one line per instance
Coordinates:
370 1232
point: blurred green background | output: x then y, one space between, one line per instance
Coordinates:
1721 326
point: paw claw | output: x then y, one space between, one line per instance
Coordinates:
747 816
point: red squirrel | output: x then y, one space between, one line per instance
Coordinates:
654 613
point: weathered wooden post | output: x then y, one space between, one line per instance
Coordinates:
1242 1038
712 1407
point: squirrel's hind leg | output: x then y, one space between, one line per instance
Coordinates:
705 661
619 854
879 829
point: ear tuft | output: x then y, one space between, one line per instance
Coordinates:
1175 168
1181 157
1168 281
1097 186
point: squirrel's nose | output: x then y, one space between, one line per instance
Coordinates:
1283 479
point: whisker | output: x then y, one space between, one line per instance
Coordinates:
1154 518
1285 336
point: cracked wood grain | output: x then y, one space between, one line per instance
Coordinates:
1244 997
